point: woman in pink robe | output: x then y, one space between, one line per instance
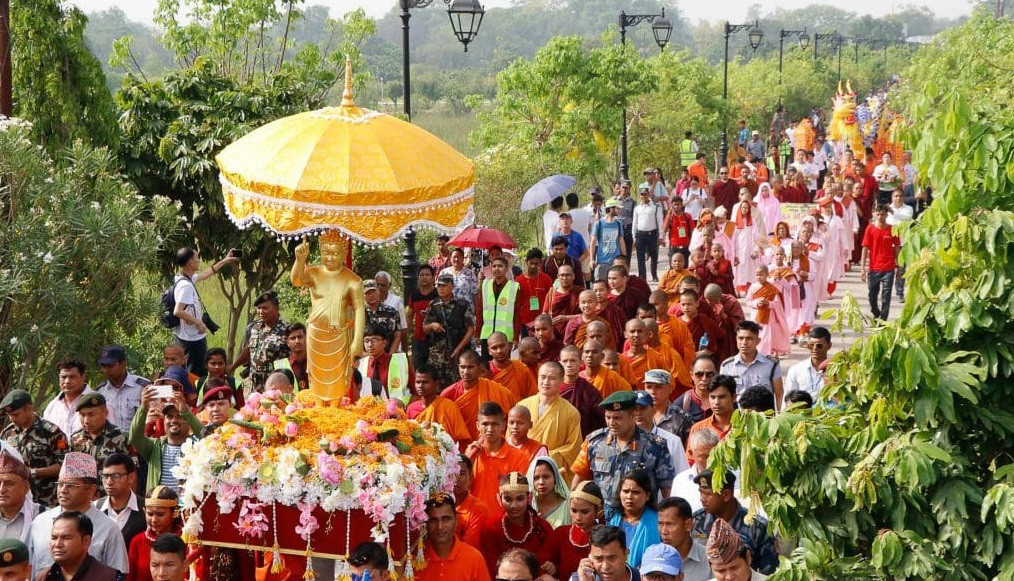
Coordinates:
769 207
747 242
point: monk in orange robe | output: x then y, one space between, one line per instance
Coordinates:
446 556
472 512
576 332
614 360
604 379
680 338
680 372
432 407
472 391
640 357
519 423
511 374
671 280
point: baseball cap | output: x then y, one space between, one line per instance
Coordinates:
369 284
661 558
612 203
445 278
112 355
644 399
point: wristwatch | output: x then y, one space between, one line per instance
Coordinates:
32 472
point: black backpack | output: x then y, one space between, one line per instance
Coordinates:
167 303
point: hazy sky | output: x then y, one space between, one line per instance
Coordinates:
711 10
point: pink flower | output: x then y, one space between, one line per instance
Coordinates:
346 442
291 429
392 407
290 409
329 468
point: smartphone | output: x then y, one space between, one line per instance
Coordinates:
164 391
236 253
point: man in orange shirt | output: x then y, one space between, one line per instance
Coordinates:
519 422
722 398
699 169
433 407
446 556
472 512
511 374
534 285
490 454
472 391
605 380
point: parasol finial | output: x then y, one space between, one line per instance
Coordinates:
347 94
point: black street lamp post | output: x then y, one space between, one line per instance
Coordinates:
466 17
818 36
838 41
661 28
756 36
804 42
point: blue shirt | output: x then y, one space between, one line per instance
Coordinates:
608 236
575 244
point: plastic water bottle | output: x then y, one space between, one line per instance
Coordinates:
702 345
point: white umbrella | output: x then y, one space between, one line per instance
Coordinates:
546 191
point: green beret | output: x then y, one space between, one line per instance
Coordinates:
90 400
15 400
12 552
620 400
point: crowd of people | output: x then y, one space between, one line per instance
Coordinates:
585 402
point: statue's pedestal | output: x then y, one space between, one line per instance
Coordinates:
339 532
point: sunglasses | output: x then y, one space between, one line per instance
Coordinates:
705 374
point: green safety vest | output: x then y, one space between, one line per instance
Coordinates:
498 313
785 148
397 376
687 153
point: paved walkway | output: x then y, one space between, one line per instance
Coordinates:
850 284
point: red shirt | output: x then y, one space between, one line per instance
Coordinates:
680 223
882 244
531 295
419 303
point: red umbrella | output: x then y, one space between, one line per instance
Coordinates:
473 237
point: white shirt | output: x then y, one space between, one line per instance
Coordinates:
122 402
683 486
676 449
186 293
107 541
810 171
647 217
896 216
63 415
803 377
693 202
120 518
549 222
395 302
582 220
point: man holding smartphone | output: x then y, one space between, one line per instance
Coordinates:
191 332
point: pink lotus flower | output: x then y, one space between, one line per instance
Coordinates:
291 429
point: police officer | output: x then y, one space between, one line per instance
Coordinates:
42 444
609 453
263 341
98 437
724 505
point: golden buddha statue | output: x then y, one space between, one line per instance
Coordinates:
334 330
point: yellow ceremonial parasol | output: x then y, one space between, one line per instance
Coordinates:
365 173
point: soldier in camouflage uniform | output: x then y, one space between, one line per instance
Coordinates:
724 505
263 341
42 444
98 437
609 453
381 315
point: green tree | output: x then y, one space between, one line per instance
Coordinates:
232 83
555 113
58 84
912 476
75 244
